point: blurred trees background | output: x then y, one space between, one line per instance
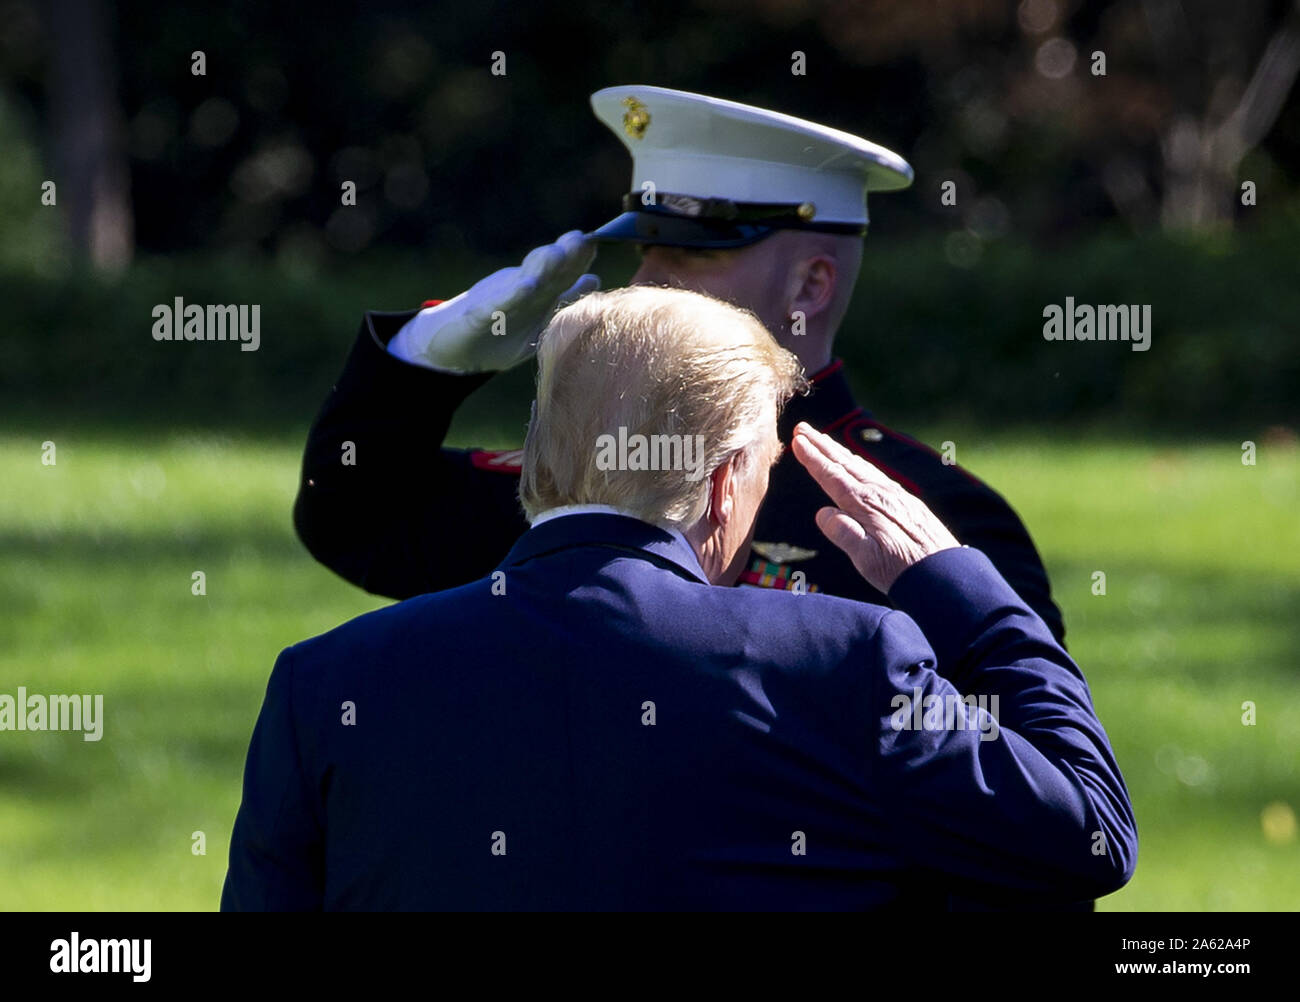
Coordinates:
1099 149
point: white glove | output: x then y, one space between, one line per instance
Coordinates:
461 334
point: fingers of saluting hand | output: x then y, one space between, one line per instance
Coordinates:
810 448
845 477
842 529
880 526
580 288
561 261
857 538
852 462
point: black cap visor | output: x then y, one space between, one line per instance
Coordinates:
678 231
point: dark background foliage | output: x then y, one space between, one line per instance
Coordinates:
225 187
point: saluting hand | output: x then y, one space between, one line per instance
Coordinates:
495 324
878 524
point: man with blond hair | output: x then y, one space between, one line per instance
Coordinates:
594 725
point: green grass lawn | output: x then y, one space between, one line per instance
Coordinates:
1201 613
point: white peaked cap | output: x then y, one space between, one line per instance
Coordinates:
710 149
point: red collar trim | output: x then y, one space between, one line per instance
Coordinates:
830 370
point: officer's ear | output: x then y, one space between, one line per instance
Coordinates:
811 285
723 484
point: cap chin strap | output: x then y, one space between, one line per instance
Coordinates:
787 215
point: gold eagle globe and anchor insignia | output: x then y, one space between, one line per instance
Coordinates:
636 119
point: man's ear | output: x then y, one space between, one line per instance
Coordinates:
812 284
722 487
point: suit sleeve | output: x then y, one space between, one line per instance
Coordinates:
975 513
277 858
1035 803
982 519
406 516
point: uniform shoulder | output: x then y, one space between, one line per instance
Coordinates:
928 474
908 460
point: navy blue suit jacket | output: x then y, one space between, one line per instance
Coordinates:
594 726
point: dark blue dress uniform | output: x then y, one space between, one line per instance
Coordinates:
412 517
614 733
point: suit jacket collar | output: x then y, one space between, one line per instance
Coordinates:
620 532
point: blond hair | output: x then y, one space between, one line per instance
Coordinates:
651 362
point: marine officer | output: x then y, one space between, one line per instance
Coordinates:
757 208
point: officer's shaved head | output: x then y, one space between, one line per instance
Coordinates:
798 282
664 367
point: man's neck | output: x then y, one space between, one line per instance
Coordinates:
812 350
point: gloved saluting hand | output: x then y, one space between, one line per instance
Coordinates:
459 335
